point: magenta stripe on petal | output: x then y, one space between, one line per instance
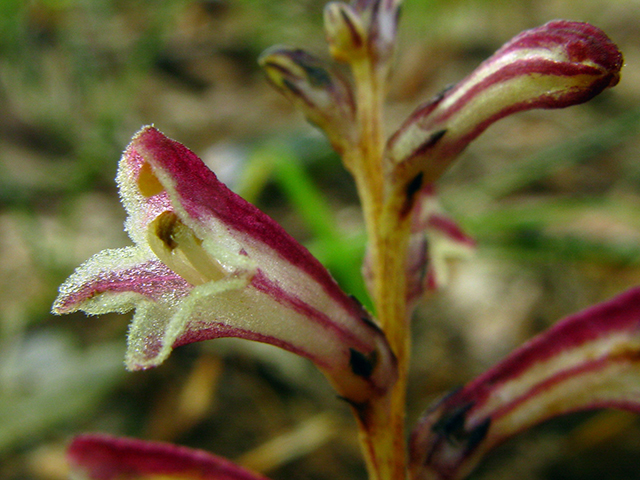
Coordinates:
262 283
587 361
104 457
151 279
202 195
621 314
600 364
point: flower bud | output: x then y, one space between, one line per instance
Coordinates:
345 33
553 66
589 360
323 96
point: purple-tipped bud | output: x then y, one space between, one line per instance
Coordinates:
553 66
587 361
320 93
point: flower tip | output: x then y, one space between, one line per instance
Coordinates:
344 31
581 43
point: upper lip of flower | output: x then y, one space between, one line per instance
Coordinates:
208 264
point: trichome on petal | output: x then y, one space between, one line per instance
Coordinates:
208 264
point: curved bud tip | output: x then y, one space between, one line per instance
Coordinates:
589 360
315 88
344 30
556 65
580 42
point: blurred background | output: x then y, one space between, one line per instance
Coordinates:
552 197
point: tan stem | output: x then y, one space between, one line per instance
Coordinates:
382 422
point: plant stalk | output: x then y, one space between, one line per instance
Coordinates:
382 424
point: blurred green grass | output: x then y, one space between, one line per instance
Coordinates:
552 198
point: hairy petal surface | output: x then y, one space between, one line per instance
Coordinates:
556 65
104 457
589 360
207 264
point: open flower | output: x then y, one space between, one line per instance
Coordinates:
207 264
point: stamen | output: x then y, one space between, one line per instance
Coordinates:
181 250
148 183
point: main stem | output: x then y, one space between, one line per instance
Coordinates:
382 424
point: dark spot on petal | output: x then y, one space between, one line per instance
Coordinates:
363 364
318 77
414 186
430 142
451 427
451 424
478 434
411 189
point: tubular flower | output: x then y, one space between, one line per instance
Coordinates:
207 264
587 361
556 65
436 241
313 86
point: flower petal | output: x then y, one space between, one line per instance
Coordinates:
117 280
587 361
553 66
211 265
275 290
363 29
104 457
435 241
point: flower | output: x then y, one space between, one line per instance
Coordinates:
207 264
556 65
362 29
586 361
436 241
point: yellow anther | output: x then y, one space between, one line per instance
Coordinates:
148 183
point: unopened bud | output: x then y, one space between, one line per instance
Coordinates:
553 66
322 95
345 34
